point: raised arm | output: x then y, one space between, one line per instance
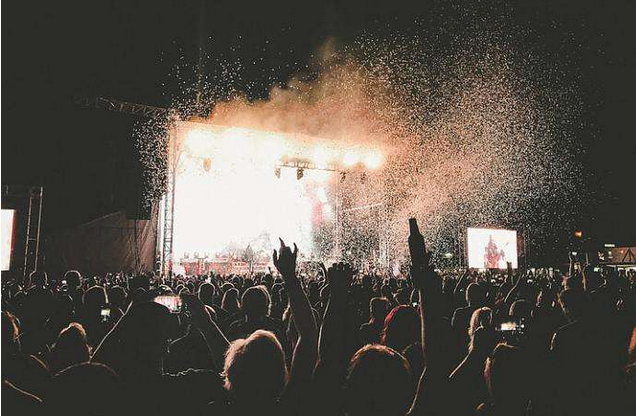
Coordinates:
514 291
108 350
306 349
431 391
214 337
572 267
461 284
333 351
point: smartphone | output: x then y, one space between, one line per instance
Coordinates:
105 314
174 303
512 327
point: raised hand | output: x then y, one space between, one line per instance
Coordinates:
422 272
199 316
417 248
285 260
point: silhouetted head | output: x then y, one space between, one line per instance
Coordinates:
545 298
94 298
39 278
73 279
401 328
378 308
117 296
483 341
573 303
255 302
403 296
206 293
475 295
255 368
520 309
144 333
379 382
85 389
226 286
481 318
71 347
507 375
230 300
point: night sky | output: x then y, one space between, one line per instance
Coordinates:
85 158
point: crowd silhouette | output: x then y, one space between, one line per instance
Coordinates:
334 342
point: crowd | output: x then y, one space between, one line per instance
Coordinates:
337 342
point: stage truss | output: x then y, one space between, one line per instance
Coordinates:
29 199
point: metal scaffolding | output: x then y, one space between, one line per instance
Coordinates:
30 200
123 107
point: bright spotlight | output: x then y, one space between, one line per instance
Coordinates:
300 173
373 160
350 158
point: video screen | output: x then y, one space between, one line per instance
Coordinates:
7 237
491 248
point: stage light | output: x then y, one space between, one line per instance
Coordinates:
277 172
300 173
350 158
373 160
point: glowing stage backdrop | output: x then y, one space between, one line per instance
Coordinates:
234 188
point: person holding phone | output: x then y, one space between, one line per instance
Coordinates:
137 346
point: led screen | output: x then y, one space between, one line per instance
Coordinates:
491 248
